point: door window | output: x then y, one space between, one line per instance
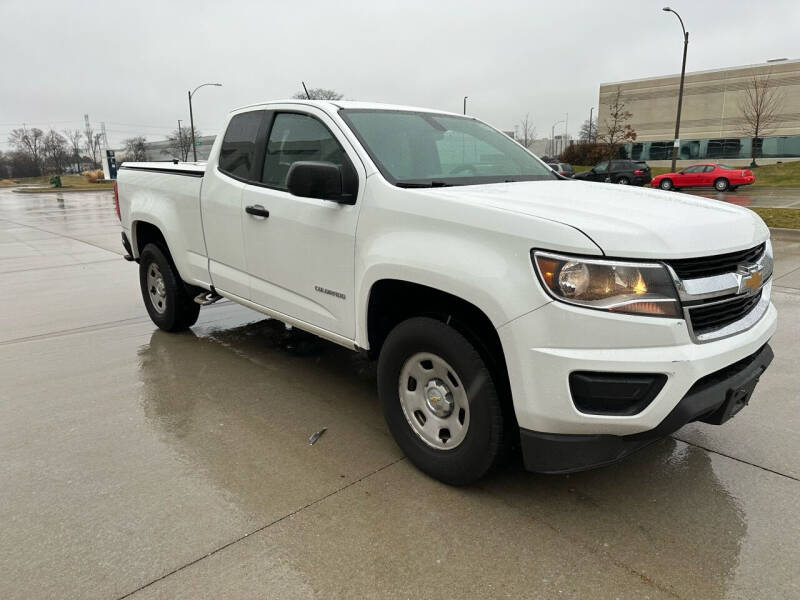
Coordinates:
708 168
295 137
694 169
601 167
239 145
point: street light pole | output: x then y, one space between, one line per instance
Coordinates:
191 115
676 143
465 104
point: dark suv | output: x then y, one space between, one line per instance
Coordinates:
622 171
564 169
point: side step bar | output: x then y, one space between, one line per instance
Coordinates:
207 298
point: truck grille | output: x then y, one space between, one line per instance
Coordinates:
707 266
710 317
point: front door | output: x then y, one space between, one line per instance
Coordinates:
600 172
301 258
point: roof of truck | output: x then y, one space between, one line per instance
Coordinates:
327 104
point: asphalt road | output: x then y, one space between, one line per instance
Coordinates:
142 464
776 197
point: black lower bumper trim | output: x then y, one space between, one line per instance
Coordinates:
712 399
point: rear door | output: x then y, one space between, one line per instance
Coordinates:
221 203
301 258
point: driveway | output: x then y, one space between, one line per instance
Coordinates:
141 464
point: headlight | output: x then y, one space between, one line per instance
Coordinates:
616 286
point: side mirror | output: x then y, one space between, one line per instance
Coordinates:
315 179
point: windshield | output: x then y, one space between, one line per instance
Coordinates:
416 149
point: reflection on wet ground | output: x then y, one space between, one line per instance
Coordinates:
777 197
178 465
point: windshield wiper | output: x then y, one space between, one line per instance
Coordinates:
416 184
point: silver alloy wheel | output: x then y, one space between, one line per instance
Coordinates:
434 401
157 288
623 181
721 185
665 184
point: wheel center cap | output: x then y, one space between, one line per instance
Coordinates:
161 289
438 398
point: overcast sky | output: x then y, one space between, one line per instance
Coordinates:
130 64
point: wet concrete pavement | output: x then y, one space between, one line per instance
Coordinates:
775 197
142 464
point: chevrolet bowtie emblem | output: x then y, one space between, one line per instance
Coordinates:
752 282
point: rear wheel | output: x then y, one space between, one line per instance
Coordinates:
623 181
666 184
721 184
165 297
440 401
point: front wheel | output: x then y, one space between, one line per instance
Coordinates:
440 401
666 184
163 292
721 184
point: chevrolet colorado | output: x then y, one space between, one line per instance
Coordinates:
506 305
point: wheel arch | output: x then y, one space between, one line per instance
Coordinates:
391 301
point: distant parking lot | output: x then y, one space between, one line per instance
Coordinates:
148 465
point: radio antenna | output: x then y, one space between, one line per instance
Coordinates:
306 90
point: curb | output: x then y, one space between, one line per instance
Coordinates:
59 191
788 235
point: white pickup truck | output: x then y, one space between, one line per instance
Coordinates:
506 305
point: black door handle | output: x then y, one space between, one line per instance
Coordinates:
256 210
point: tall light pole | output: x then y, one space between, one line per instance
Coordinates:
553 135
676 143
191 115
465 104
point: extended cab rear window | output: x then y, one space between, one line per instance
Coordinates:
239 144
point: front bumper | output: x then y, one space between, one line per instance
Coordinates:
712 399
543 347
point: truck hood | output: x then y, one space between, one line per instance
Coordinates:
625 221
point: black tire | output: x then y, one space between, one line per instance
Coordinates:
665 184
721 184
623 181
178 310
478 452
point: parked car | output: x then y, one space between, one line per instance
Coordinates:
720 177
621 171
564 169
504 304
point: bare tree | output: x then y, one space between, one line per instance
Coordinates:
97 142
55 151
92 144
525 131
74 137
588 132
616 130
318 94
29 142
179 143
135 149
760 104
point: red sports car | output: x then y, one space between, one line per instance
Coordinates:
719 177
